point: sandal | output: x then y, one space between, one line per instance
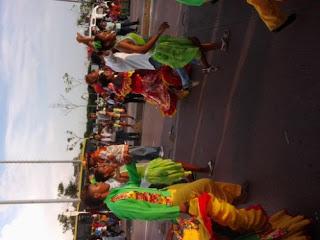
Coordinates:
210 69
195 41
225 41
211 165
194 84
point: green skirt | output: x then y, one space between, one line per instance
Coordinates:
191 2
164 171
175 52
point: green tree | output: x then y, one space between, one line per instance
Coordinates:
67 223
60 189
71 190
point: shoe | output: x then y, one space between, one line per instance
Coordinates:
194 84
214 1
210 69
183 93
161 152
211 165
291 18
225 41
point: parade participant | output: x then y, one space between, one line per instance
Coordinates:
271 14
105 121
121 136
122 153
116 113
269 11
175 52
160 87
157 171
122 28
136 203
103 140
99 81
282 226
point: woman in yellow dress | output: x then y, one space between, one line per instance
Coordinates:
251 223
269 11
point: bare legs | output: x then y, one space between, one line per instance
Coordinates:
126 116
193 167
205 47
119 115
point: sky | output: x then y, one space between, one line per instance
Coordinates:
37 46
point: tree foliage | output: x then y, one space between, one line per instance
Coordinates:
67 222
71 190
60 189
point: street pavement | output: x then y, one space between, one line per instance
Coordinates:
258 117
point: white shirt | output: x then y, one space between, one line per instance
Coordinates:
126 62
113 150
113 183
113 26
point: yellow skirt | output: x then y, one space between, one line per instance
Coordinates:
225 214
292 227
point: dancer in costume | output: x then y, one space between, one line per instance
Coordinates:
206 210
271 14
161 87
269 11
136 203
175 52
157 171
122 153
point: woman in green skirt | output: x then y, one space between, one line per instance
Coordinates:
158 171
175 52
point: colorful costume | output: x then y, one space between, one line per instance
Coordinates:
160 171
269 12
283 227
113 153
135 203
158 87
175 52
117 153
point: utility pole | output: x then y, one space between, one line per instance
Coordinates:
40 201
74 1
45 161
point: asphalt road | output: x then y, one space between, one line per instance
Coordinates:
258 117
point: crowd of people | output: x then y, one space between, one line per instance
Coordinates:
105 225
139 182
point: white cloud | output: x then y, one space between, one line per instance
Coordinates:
37 47
33 181
29 225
